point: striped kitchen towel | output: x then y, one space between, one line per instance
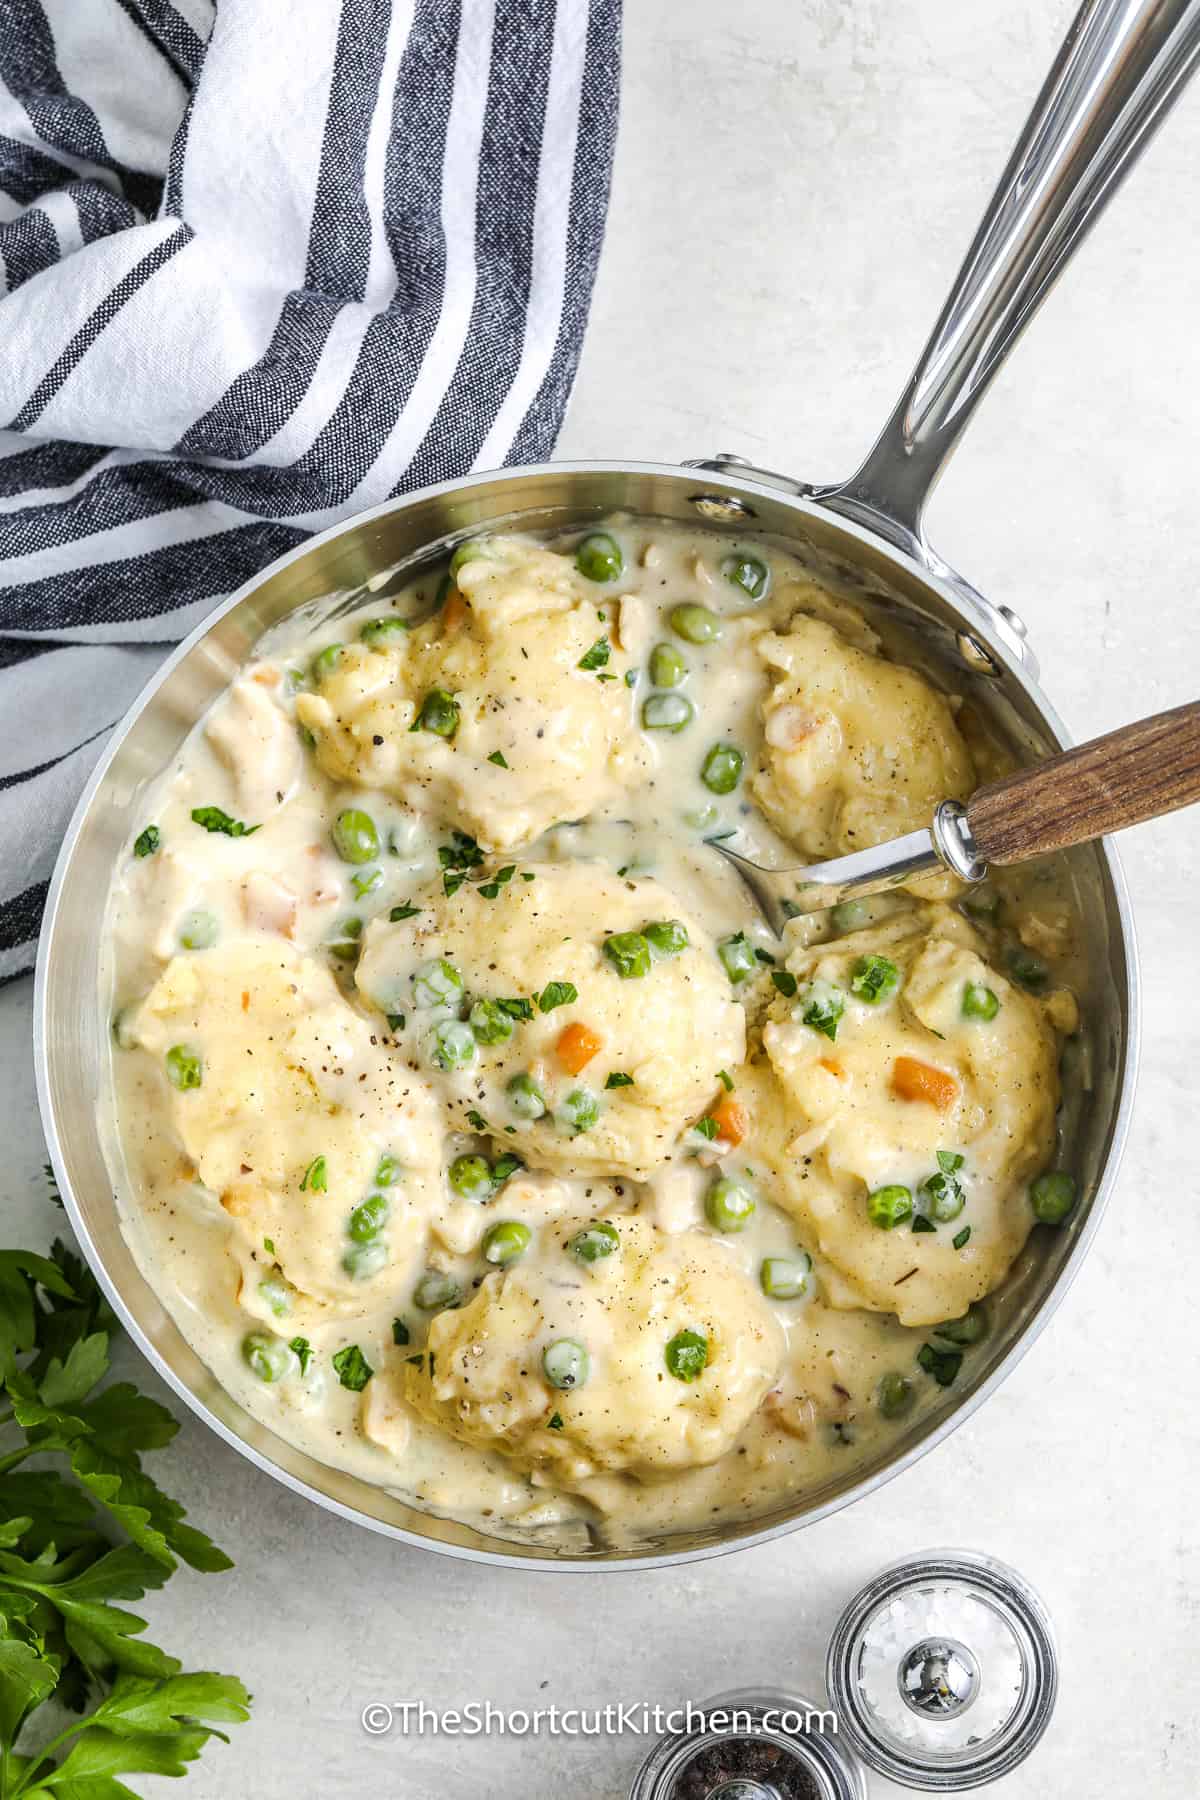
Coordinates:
263 263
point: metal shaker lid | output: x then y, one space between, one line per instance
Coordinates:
943 1670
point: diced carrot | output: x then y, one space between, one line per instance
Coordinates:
913 1079
833 1066
576 1046
245 999
455 611
731 1119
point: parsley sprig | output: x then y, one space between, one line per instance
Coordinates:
62 1564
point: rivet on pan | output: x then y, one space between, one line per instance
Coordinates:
1015 620
975 656
722 507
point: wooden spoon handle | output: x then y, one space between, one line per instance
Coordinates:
1137 773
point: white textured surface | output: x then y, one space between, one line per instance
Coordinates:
796 182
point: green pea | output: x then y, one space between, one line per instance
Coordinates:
737 958
437 983
490 1023
599 557
471 1176
267 1357
346 944
972 1328
1052 1197
695 623
369 1218
505 1241
729 1205
198 930
850 915
469 551
785 1277
566 1363
452 1045
944 1196
595 1241
439 713
184 1068
721 769
276 1294
355 837
979 1002
526 1097
874 979
1026 969
889 1206
361 1261
387 1170
666 937
326 661
667 666
894 1396
579 1111
629 954
667 712
436 1291
686 1356
748 573
377 634
981 903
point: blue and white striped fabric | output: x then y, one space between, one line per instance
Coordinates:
263 263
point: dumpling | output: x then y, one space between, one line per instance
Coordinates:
293 1117
887 1081
855 750
573 1065
538 722
484 1382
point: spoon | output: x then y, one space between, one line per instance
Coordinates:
1140 772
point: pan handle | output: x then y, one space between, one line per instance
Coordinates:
1120 69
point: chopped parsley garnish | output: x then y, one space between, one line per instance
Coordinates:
764 956
498 758
823 1006
557 993
491 889
873 979
725 1079
504 1166
785 981
269 1246
597 657
921 1223
555 1422
403 912
352 1368
943 1365
367 882
631 678
316 1176
400 1332
961 1238
706 1127
147 842
618 1079
303 1351
452 883
462 852
521 1010
476 1120
396 1021
214 819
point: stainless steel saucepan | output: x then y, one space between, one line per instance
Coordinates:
1123 63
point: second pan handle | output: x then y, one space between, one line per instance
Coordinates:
1122 65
